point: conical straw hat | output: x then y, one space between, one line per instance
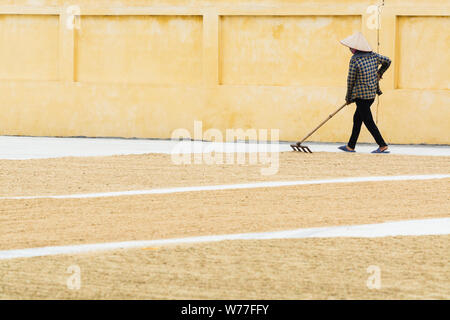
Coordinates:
357 41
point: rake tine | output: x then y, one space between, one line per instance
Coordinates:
298 147
306 149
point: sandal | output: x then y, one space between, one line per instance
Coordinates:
344 148
379 151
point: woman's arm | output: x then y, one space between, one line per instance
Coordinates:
385 63
351 79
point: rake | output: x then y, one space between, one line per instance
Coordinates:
298 146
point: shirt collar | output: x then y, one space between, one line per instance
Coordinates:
361 54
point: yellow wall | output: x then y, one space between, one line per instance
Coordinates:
284 50
142 68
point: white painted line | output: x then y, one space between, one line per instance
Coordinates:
440 226
265 184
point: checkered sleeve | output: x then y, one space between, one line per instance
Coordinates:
385 63
351 79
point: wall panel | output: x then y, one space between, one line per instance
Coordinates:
139 49
423 52
29 47
284 50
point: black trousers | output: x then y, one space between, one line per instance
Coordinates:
363 114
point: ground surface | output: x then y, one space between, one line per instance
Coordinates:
411 266
44 222
135 172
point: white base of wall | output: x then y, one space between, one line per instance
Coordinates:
22 148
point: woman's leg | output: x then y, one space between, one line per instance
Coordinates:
366 115
357 122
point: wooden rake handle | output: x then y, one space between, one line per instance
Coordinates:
323 122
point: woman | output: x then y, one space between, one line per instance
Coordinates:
362 87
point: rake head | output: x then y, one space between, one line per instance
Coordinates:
300 148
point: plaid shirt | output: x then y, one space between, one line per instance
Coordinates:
362 81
